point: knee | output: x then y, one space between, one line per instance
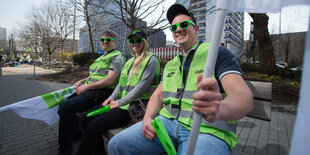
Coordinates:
64 108
114 145
94 129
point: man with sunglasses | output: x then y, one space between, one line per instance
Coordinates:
224 99
91 91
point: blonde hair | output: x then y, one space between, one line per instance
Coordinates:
144 54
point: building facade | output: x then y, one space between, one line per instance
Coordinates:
2 34
205 13
291 48
157 39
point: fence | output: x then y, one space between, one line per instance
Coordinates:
165 53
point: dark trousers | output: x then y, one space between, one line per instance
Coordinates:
92 142
68 119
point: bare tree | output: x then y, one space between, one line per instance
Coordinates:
48 27
266 52
92 15
287 46
62 23
131 11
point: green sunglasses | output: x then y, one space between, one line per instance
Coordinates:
106 39
183 25
138 41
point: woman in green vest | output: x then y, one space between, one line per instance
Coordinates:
139 78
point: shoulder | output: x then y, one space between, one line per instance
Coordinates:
226 63
152 60
119 57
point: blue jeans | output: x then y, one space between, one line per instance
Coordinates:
131 141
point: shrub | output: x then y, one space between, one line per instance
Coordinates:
249 67
289 74
85 59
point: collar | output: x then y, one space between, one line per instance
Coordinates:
194 47
106 53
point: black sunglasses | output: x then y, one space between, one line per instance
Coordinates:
138 41
106 39
183 25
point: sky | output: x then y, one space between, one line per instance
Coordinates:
12 13
293 19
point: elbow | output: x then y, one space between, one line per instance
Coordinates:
110 82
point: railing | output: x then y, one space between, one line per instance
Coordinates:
165 53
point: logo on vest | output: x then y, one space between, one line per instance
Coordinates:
199 71
170 74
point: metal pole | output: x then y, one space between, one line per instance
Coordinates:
209 68
74 29
279 51
34 64
0 65
1 49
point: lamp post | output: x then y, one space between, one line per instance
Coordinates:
1 50
34 64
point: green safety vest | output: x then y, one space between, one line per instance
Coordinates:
178 100
127 84
100 68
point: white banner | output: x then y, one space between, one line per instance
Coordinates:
42 107
258 6
301 136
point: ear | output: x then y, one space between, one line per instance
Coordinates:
196 28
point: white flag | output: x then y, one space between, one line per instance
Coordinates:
42 107
301 135
258 6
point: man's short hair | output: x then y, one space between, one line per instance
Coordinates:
108 33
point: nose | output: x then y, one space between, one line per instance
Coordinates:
179 28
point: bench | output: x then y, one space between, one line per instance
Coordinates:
262 92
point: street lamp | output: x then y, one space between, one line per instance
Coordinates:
34 64
1 50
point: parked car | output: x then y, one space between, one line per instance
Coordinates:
279 66
298 68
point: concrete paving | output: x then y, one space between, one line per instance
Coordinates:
25 136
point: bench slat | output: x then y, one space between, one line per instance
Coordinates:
261 90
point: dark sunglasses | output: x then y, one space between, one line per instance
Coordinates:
138 41
106 39
183 25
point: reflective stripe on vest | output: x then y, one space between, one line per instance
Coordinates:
178 100
100 68
128 84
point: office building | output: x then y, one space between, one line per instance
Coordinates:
204 13
2 34
157 39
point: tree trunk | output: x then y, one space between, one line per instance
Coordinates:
89 29
266 52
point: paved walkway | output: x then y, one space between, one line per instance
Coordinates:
24 136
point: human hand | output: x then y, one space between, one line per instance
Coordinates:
77 84
114 104
81 89
106 102
148 130
207 102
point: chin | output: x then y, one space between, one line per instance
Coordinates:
181 40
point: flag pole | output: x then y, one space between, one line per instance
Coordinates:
208 72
